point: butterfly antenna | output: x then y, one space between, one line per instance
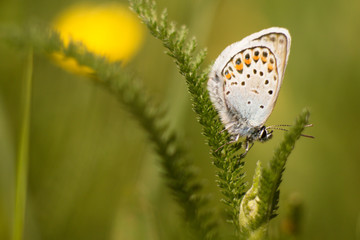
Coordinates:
285 125
283 129
280 125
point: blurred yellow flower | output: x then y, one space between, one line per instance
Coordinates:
110 30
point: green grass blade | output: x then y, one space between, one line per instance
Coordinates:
23 154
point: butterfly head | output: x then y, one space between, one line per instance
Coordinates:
262 135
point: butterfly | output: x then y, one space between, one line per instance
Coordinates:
245 81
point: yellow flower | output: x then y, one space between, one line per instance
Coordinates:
110 30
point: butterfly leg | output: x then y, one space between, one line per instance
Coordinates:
223 130
227 128
232 141
248 146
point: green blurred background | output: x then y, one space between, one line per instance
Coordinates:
94 175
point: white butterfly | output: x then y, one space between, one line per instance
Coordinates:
245 81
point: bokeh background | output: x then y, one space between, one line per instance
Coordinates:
94 175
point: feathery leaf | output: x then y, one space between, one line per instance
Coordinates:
188 61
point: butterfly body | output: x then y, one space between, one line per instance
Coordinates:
245 81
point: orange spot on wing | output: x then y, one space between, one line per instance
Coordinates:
270 67
263 59
247 61
239 67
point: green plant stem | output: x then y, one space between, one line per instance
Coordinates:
260 202
23 154
231 177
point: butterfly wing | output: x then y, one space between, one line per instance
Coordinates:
245 80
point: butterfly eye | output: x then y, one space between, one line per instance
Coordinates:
263 134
